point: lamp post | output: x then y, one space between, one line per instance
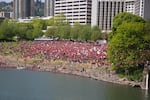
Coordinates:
147 75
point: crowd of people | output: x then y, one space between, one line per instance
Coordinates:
65 50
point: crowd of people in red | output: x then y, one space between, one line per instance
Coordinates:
64 50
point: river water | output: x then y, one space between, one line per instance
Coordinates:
29 85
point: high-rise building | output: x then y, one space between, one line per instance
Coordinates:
23 8
103 12
49 8
74 10
142 8
96 12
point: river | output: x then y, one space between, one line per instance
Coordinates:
31 85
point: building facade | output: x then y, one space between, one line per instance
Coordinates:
139 8
49 8
103 12
74 10
97 12
23 8
130 6
6 14
142 8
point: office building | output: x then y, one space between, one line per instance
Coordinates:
142 8
96 12
103 12
130 6
23 8
74 10
49 8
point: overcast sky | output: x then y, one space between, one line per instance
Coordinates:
9 0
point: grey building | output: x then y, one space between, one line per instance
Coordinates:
23 8
142 8
6 14
49 8
103 12
96 12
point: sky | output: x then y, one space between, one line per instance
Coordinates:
6 0
9 0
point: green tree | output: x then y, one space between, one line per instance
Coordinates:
29 35
7 30
147 39
74 32
125 49
59 27
65 32
147 30
60 20
96 33
51 22
85 33
58 32
23 30
37 33
51 31
39 23
38 26
124 17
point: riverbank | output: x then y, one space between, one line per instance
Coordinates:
94 71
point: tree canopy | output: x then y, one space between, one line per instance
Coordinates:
58 25
126 48
125 17
7 30
128 44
